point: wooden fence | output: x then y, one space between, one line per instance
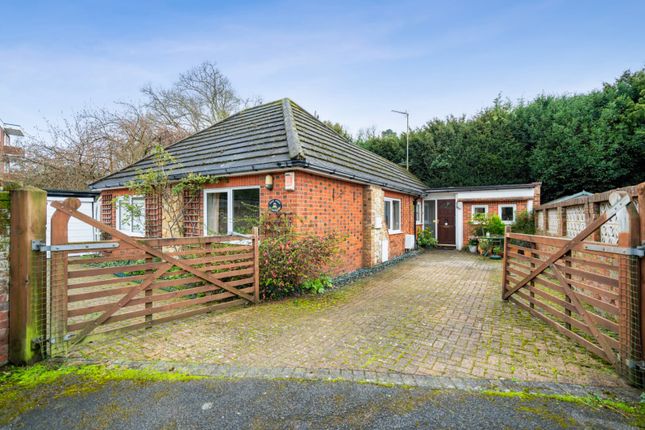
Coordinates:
129 282
590 290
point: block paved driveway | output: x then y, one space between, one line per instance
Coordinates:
439 313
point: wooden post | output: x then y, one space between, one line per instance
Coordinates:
28 276
507 232
256 264
562 221
59 236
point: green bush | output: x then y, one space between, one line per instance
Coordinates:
483 224
291 263
317 285
524 223
426 239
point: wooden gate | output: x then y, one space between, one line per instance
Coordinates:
129 282
588 291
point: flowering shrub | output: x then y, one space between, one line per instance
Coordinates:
290 263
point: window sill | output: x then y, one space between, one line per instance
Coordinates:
129 233
394 232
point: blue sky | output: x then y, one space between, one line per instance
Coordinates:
350 62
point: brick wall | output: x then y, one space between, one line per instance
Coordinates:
324 205
493 208
4 275
397 241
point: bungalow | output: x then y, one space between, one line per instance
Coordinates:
279 157
448 211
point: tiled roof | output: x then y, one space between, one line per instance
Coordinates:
275 135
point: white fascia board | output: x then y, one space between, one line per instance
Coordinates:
522 193
439 196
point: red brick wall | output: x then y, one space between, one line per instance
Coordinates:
324 205
397 240
493 208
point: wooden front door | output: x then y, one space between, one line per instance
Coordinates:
446 222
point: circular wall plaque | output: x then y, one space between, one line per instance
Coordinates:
275 205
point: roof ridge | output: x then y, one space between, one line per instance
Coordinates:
296 152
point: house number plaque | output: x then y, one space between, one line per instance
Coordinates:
275 205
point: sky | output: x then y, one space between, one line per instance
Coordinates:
349 62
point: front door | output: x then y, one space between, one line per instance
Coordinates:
446 222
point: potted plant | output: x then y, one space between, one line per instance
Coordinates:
497 253
485 246
472 245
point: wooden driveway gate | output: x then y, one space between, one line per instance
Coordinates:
588 291
130 282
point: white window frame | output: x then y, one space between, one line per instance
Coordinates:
389 227
419 212
119 213
229 209
499 212
473 207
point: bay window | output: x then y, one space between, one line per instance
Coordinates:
231 210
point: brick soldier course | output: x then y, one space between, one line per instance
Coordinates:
437 314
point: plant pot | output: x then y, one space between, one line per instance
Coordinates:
472 249
495 257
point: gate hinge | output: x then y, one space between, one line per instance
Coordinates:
41 246
634 364
38 342
638 251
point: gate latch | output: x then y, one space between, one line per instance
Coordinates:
39 245
638 251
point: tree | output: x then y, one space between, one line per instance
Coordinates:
97 141
338 128
201 97
593 141
173 196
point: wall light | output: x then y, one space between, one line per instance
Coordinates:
268 182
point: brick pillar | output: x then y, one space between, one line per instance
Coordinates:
373 231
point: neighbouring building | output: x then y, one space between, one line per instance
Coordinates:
77 230
448 211
8 153
279 155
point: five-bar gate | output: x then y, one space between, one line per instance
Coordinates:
129 282
589 291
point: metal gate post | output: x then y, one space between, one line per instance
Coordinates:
630 298
28 276
58 235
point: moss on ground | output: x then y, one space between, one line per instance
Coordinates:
24 388
635 412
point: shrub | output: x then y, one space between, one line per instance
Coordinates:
524 223
293 263
426 239
483 224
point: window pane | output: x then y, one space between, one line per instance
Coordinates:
507 213
387 214
396 215
246 210
217 213
138 215
479 210
124 216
